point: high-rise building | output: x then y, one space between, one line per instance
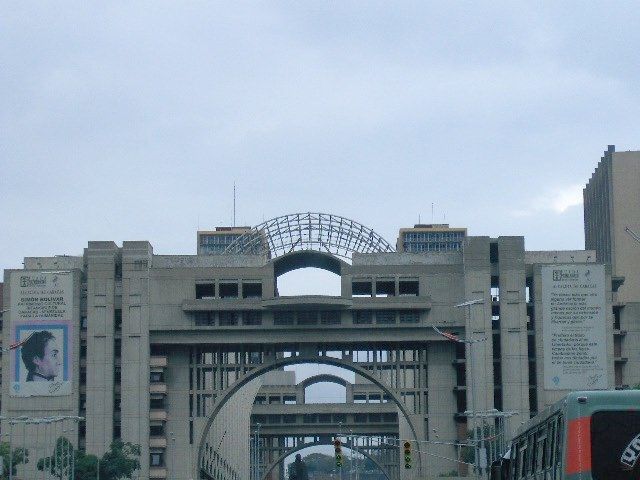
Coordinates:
216 241
430 238
612 229
612 217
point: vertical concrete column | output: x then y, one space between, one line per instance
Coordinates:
349 393
477 285
101 265
176 376
442 407
513 330
136 264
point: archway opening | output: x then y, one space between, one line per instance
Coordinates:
205 444
325 392
320 463
308 281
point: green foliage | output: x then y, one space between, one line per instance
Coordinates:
18 456
59 464
122 459
118 463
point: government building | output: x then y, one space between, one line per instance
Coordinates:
186 354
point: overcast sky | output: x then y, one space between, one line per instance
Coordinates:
129 121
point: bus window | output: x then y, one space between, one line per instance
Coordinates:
615 445
559 444
522 462
552 444
542 452
532 464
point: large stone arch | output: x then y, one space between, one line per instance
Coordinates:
323 377
307 258
297 448
297 360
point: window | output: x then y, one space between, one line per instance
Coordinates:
385 288
203 319
362 317
228 319
385 316
283 318
156 377
228 290
409 316
156 459
409 287
205 290
307 318
156 430
117 319
156 403
362 289
330 317
251 290
252 318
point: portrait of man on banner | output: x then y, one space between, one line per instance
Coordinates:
41 360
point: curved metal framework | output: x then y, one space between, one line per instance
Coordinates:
321 232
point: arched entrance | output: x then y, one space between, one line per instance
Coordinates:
275 364
315 444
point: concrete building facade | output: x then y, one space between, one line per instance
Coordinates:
612 230
171 351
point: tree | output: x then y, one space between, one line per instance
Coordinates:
59 464
18 456
118 463
122 459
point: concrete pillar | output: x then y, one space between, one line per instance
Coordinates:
477 282
513 330
442 408
101 264
136 262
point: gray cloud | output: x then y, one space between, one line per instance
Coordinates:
132 121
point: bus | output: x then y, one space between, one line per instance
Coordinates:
591 435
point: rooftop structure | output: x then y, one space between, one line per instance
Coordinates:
430 238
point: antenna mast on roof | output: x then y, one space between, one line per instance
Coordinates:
234 204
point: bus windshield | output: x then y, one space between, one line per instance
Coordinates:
615 445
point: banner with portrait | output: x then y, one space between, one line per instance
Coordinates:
41 333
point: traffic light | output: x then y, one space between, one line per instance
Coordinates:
407 454
337 446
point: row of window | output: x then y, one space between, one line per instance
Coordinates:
432 247
227 318
432 236
207 289
332 418
539 451
385 287
304 317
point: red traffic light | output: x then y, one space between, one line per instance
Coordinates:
337 443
